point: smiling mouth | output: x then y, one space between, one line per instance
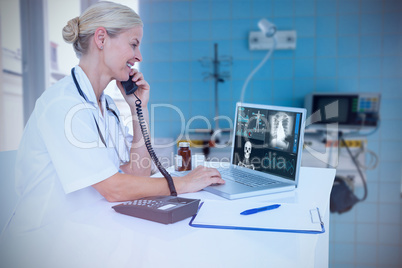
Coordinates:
130 66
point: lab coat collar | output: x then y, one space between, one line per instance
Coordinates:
87 89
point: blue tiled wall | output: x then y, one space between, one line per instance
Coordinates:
342 45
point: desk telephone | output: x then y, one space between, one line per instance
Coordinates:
162 209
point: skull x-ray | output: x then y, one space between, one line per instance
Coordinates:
247 152
281 130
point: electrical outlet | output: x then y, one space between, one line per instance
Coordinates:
285 40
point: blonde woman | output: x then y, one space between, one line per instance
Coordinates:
74 150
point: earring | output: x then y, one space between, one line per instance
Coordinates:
101 47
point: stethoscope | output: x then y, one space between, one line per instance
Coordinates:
122 162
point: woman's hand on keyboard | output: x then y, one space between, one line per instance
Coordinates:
198 179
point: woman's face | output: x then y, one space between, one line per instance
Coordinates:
123 50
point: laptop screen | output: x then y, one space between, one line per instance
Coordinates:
267 140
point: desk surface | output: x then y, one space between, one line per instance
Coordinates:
97 236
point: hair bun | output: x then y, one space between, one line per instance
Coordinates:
71 30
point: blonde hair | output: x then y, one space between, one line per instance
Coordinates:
115 17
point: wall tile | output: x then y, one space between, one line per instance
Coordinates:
326 67
391 88
371 23
160 91
241 9
366 254
392 23
200 30
221 9
304 7
181 90
391 44
180 31
348 46
305 47
345 232
329 7
389 234
370 67
347 251
283 89
283 68
389 214
161 51
348 24
349 6
200 10
262 90
241 29
388 192
202 90
368 84
201 49
202 109
304 68
180 50
390 109
283 8
220 29
392 66
261 9
366 233
162 71
326 25
326 46
240 50
241 69
326 85
161 11
389 256
392 6
391 129
180 70
265 72
302 87
347 84
348 67
180 10
160 31
367 213
305 26
372 6
370 45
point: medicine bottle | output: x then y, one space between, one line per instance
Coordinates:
184 154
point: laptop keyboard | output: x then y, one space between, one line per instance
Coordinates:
245 178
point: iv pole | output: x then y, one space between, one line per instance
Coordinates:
217 76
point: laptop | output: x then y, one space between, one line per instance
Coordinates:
267 145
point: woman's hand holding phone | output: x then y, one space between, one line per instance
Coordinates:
142 91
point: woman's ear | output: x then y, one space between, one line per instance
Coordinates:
100 37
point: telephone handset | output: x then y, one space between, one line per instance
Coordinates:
129 86
171 208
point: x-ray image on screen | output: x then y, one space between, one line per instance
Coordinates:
281 130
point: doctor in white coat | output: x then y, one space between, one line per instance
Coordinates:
74 149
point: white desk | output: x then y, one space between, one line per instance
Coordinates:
97 236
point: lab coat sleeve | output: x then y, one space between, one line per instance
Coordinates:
70 135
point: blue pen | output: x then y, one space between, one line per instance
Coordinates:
256 210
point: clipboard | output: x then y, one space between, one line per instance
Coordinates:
290 218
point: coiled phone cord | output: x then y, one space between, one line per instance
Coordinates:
151 151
